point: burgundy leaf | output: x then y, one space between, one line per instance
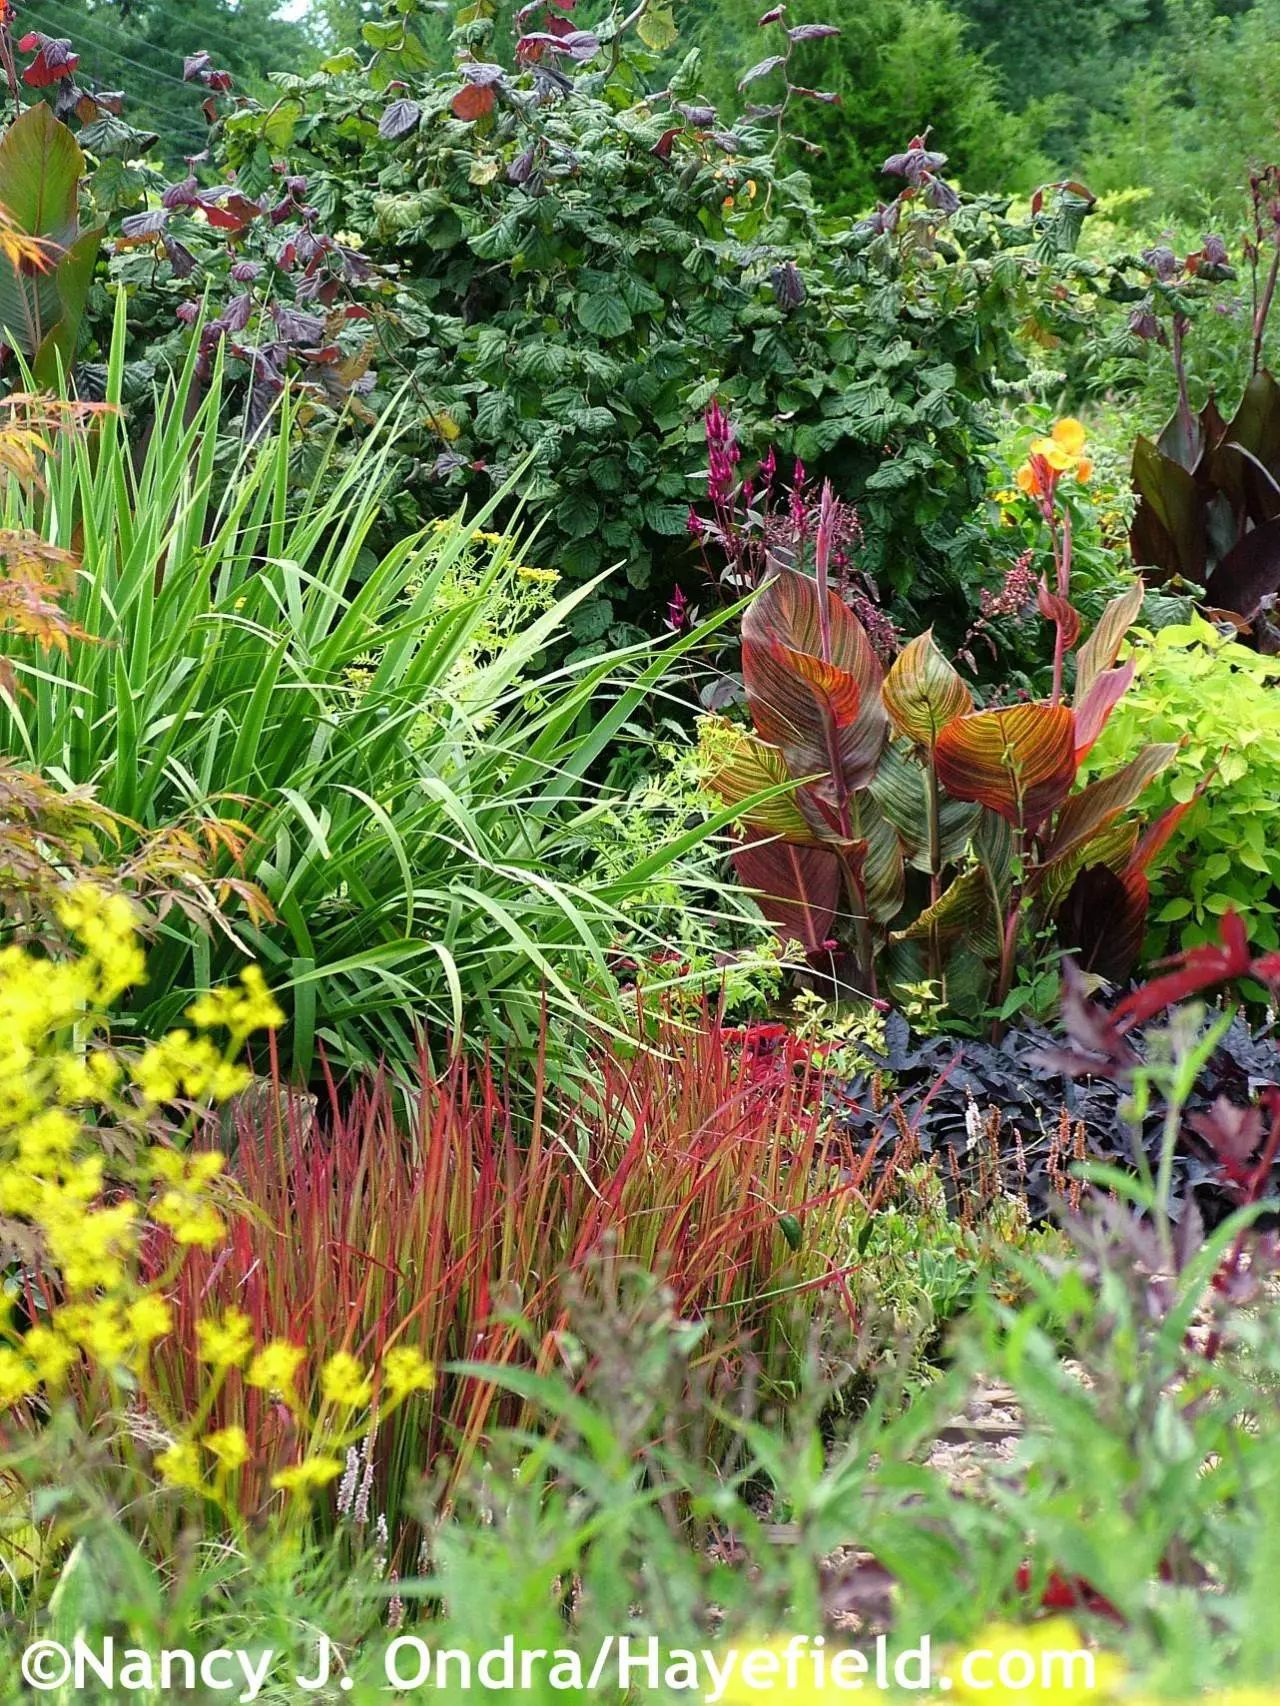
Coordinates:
55 59
1103 919
799 888
195 65
147 224
662 147
762 69
479 72
812 32
399 119
296 328
1249 573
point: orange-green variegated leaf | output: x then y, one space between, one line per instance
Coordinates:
1113 847
923 693
788 612
1094 807
1019 761
1102 648
900 789
745 767
796 888
963 909
882 872
821 717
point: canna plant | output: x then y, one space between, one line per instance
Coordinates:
918 821
1209 489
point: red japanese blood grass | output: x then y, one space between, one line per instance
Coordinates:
707 1157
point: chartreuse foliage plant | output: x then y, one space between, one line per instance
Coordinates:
1220 701
920 818
81 1323
406 797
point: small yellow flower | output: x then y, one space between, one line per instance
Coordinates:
51 1353
312 1472
18 1379
179 1466
229 1446
225 1343
405 1370
149 1318
275 1366
190 1219
344 1381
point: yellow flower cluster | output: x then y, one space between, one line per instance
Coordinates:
87 1219
87 1227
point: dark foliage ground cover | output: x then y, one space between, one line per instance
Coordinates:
1008 1115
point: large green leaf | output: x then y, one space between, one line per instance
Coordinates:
900 788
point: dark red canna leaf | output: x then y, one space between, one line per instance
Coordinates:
798 888
1103 919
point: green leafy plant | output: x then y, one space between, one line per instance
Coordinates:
559 266
412 821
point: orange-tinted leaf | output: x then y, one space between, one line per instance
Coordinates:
923 693
1054 608
1092 712
748 766
1102 648
1019 761
1087 813
825 713
816 713
473 102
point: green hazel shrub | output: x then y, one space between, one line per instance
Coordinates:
565 269
1222 702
